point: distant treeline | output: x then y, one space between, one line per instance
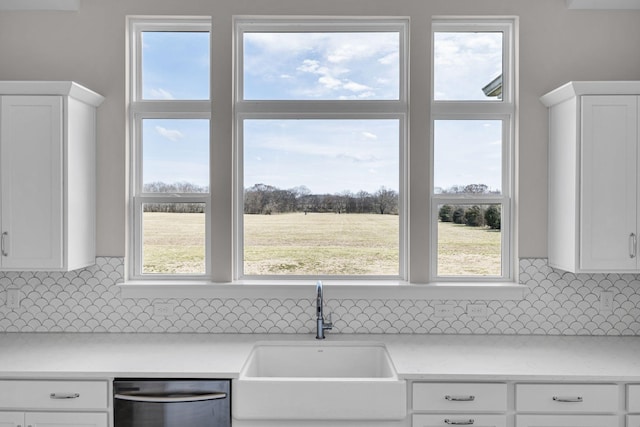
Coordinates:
266 200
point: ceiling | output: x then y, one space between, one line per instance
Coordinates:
74 5
70 5
603 4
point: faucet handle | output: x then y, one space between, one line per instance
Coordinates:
328 324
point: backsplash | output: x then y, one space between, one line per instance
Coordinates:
87 300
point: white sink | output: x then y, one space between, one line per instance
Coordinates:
319 381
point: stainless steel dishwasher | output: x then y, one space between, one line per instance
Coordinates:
171 403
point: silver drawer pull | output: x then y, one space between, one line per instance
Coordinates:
468 422
64 395
469 398
569 399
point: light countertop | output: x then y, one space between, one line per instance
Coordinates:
430 357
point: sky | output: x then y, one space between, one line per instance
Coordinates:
326 156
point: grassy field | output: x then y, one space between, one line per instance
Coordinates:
321 244
468 251
331 244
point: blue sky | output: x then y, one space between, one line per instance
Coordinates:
327 156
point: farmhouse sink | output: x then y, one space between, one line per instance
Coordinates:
319 381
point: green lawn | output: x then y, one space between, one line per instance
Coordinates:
331 244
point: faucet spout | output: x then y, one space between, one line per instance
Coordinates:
321 324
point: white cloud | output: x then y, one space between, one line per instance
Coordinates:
330 82
369 135
160 93
322 65
170 134
389 59
355 87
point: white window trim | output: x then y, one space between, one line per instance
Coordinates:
139 109
324 109
504 110
354 289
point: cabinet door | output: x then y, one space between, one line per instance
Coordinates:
609 187
67 419
31 157
11 419
567 421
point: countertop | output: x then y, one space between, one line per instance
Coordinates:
434 357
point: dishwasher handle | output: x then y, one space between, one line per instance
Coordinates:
171 397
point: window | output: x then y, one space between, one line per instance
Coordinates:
473 116
170 109
311 155
321 112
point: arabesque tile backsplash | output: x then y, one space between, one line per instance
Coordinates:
88 300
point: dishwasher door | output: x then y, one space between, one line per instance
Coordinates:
171 403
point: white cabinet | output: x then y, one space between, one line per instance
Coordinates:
11 419
633 405
443 404
42 403
449 420
567 421
594 176
47 175
523 404
53 419
567 405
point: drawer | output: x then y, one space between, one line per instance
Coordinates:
563 398
449 420
455 397
633 420
27 394
567 421
633 398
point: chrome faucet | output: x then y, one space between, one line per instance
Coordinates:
321 324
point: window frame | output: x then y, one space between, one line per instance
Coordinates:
139 109
503 110
319 109
222 281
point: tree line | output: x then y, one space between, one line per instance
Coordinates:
474 216
266 200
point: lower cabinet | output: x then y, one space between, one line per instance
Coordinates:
524 404
567 421
448 420
567 405
54 403
633 420
459 404
53 419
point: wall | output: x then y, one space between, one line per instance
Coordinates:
88 300
556 45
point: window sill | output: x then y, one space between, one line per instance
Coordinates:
300 289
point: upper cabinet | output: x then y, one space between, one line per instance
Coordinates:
594 179
47 175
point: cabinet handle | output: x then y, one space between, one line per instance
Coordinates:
469 398
4 249
633 245
569 399
468 422
64 395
